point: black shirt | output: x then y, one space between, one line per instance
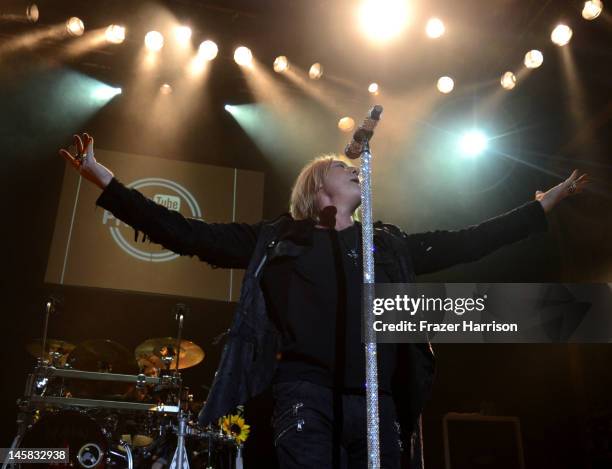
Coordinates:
315 301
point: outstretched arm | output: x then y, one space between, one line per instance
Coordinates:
438 250
221 244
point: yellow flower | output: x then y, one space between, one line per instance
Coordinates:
234 425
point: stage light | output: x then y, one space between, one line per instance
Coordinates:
32 13
373 88
17 12
165 89
383 20
473 143
208 50
445 85
154 41
105 93
316 71
561 35
508 80
281 64
243 56
346 124
435 28
592 9
229 108
533 59
115 34
75 26
183 35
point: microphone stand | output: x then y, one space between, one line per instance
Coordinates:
180 460
367 230
49 309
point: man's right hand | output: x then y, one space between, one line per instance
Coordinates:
85 162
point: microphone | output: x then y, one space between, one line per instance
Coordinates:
364 133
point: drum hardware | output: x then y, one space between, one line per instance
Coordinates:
54 352
50 306
163 353
112 429
70 402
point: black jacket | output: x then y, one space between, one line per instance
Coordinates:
248 361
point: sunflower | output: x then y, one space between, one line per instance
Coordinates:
234 425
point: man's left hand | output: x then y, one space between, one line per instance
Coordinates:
571 186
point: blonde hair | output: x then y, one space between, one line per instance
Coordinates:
303 202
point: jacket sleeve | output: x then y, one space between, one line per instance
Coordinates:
227 245
437 250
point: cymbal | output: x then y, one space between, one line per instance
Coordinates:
56 348
160 353
102 355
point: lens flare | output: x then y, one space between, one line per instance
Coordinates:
473 143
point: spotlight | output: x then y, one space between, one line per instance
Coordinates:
115 34
316 71
105 93
383 20
208 50
373 88
183 35
346 124
561 35
592 9
17 12
473 143
508 80
243 56
154 41
533 59
435 28
445 85
165 89
229 108
75 26
281 64
32 13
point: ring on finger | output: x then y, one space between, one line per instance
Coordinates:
572 188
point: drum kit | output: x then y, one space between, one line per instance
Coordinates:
115 408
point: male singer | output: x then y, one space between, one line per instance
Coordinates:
297 324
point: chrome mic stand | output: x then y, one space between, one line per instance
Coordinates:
360 148
180 460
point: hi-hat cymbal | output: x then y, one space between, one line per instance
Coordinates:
56 349
161 353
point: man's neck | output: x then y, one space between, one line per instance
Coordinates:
338 220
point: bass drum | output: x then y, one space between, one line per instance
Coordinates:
86 441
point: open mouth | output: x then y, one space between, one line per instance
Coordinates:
355 180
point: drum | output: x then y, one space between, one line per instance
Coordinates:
85 439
